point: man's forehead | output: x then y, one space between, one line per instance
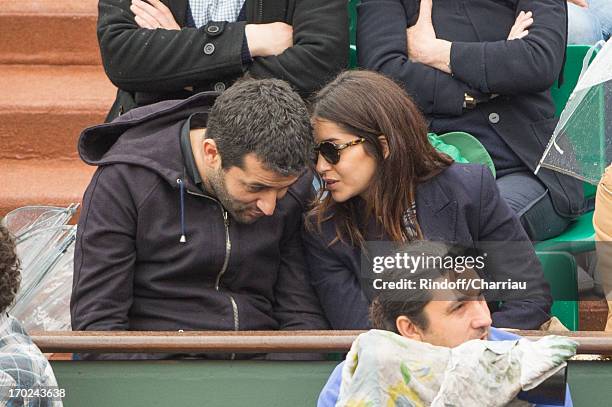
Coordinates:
454 295
445 300
254 172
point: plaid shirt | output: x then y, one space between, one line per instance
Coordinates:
23 367
204 11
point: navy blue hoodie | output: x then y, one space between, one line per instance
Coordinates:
131 272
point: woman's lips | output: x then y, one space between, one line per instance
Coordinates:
330 183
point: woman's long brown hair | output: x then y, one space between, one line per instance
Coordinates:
368 105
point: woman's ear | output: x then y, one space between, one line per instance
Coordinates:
384 144
407 329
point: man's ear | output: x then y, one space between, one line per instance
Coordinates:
384 144
210 153
406 328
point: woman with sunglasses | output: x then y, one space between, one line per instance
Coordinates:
383 181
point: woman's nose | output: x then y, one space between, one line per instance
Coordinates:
322 164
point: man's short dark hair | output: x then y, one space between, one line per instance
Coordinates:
387 305
265 117
10 277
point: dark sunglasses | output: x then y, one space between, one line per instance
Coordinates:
331 151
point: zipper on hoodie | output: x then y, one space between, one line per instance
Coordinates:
228 249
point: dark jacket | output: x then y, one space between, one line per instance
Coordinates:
461 205
152 65
483 62
132 273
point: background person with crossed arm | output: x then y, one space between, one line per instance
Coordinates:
483 67
153 50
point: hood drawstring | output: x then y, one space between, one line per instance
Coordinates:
179 181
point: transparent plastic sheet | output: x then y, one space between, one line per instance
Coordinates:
54 242
45 246
581 145
47 306
22 220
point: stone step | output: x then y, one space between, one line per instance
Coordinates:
43 109
49 32
30 182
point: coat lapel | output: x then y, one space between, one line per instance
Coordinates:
436 212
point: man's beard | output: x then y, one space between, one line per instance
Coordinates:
237 211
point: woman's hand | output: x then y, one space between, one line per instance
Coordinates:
521 24
153 14
423 45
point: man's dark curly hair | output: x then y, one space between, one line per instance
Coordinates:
10 277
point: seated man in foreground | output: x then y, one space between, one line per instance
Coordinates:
382 366
26 377
192 220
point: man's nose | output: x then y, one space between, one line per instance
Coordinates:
267 203
482 315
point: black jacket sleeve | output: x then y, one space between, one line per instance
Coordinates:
138 59
382 46
105 255
510 255
531 64
320 47
296 306
338 287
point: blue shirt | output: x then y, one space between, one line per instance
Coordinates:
329 394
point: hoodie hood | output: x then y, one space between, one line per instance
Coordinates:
148 136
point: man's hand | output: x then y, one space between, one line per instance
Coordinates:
153 14
422 34
579 3
423 46
521 24
268 39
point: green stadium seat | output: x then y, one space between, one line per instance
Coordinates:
560 272
560 267
352 11
580 235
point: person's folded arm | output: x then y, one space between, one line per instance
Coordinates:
320 47
510 255
382 47
165 60
529 64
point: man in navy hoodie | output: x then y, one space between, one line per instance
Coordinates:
192 219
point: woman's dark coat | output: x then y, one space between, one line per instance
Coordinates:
461 205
